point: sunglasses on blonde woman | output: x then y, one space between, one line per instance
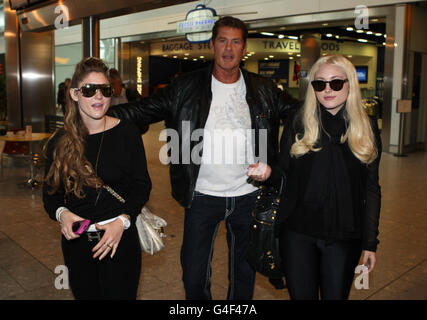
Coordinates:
336 84
89 90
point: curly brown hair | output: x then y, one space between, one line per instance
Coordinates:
70 167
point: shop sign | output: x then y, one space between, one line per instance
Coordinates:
184 46
282 45
330 46
180 47
198 24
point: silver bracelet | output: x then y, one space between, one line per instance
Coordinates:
59 212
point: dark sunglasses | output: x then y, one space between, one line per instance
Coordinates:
336 84
89 90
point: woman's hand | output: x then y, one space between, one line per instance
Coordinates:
66 222
110 240
369 260
259 171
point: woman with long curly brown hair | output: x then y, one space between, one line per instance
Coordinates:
96 170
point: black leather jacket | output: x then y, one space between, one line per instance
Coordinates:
188 98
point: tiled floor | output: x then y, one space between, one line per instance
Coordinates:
30 241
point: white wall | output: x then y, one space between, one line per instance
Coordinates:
69 35
2 45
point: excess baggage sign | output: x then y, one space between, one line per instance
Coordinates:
198 24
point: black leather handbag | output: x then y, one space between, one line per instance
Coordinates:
263 251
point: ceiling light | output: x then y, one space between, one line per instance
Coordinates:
378 34
175 57
369 32
265 58
202 57
349 56
293 37
325 24
280 36
186 54
291 58
360 31
362 40
271 56
349 29
267 34
329 35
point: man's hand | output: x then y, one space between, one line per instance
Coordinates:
259 171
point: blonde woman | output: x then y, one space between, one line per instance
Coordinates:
88 161
330 153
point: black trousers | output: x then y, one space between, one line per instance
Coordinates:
200 228
311 264
116 278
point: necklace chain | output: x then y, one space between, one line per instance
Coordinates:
97 158
100 147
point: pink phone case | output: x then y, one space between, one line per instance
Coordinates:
81 226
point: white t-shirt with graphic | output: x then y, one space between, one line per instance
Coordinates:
227 142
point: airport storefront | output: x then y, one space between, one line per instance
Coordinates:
147 50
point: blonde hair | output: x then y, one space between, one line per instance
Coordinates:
359 132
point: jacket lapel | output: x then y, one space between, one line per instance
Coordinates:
206 96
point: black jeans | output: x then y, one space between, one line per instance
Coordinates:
200 229
116 278
312 263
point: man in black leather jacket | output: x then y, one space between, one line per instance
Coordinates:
185 106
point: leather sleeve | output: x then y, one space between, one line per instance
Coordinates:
155 108
286 104
283 157
373 197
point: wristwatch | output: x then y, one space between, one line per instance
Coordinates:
126 222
